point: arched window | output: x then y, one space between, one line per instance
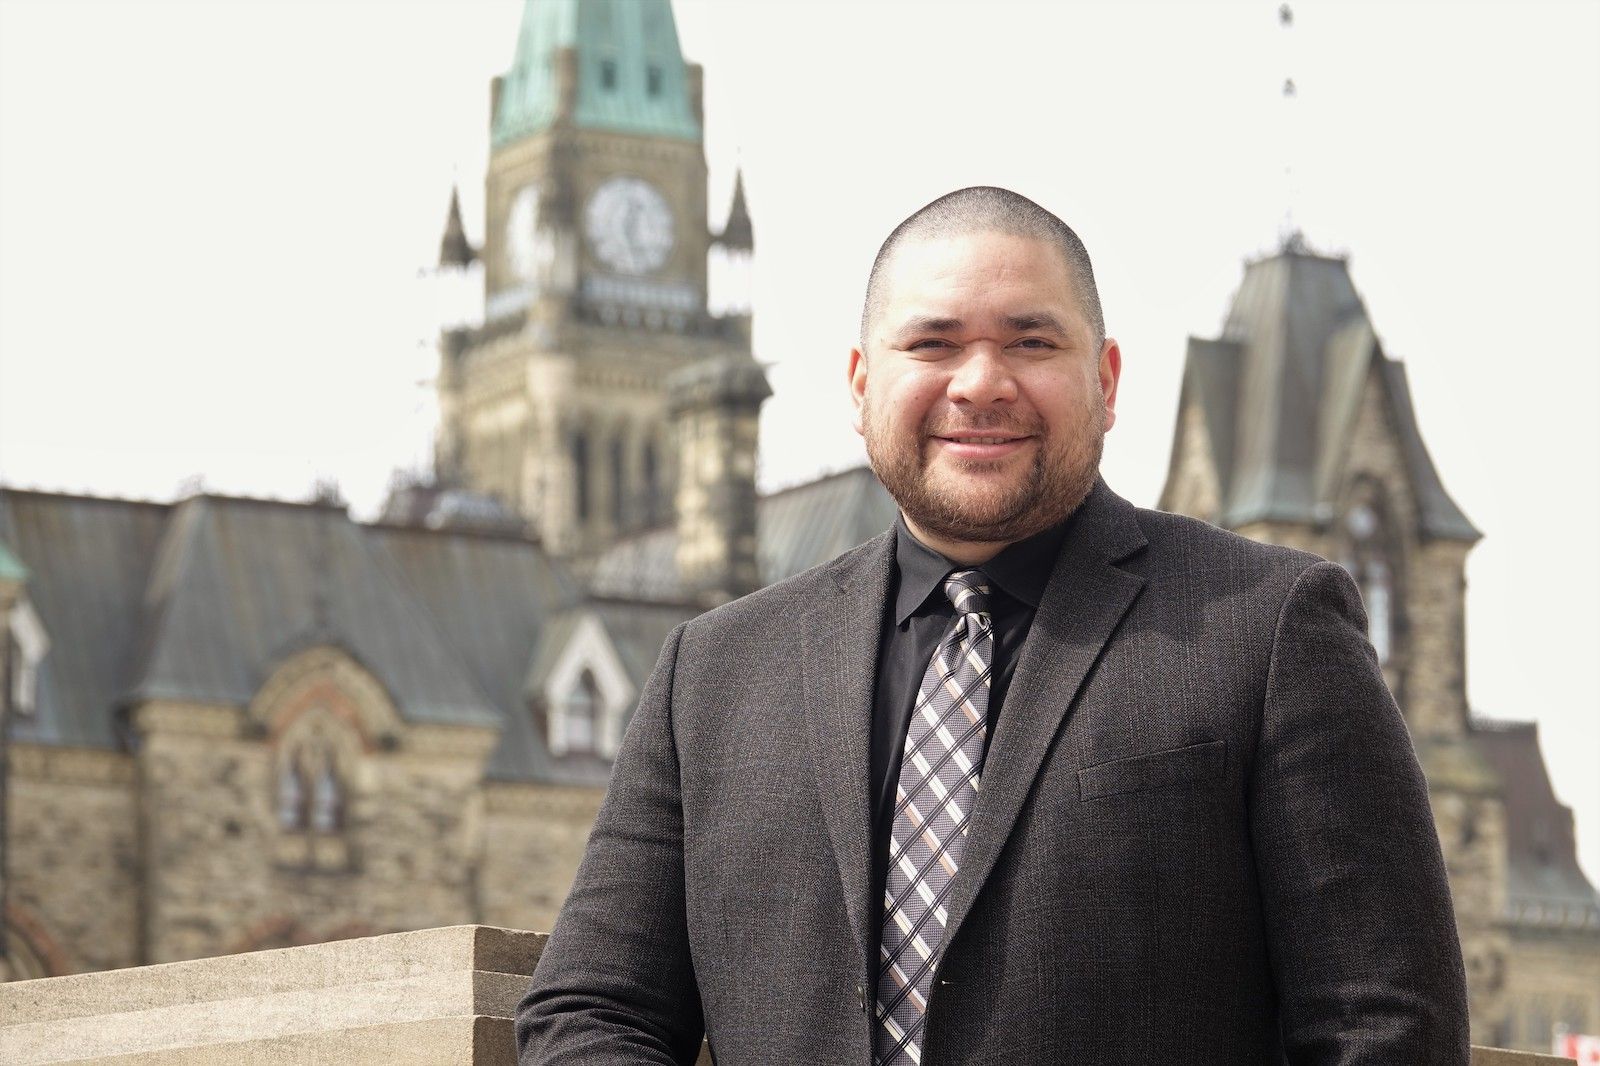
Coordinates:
647 463
1368 553
580 474
580 719
619 495
313 757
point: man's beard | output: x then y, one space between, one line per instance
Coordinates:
1061 475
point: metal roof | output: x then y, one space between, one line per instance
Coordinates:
240 584
631 76
201 599
1281 388
493 598
1545 884
89 560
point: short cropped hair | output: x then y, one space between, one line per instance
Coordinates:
987 209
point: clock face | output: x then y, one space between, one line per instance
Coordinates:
629 225
522 235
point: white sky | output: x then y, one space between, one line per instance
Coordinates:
212 217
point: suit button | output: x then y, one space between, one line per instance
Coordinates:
861 996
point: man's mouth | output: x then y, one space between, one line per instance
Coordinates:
980 445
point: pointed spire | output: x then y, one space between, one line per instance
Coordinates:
738 234
598 64
455 250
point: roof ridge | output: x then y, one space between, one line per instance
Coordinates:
173 556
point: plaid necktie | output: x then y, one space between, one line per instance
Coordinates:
938 782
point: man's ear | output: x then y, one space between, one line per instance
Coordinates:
1110 374
858 385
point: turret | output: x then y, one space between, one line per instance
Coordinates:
716 406
730 263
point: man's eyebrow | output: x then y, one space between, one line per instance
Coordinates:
929 324
1033 321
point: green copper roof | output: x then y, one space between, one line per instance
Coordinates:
11 568
631 74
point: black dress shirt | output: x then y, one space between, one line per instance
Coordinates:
918 615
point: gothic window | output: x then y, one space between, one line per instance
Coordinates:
580 471
1369 558
580 716
618 494
312 780
651 500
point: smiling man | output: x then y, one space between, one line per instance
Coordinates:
1036 776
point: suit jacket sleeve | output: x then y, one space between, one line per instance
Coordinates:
1358 916
615 982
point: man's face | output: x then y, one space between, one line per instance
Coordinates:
982 395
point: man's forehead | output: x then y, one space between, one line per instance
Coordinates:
939 276
940 260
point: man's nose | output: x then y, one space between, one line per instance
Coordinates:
982 377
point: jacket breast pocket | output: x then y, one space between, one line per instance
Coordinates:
1194 764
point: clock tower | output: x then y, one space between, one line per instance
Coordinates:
594 266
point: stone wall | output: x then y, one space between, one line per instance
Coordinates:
534 840
73 859
222 873
1554 981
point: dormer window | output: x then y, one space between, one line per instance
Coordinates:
580 717
652 80
608 74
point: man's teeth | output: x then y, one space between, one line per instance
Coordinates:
981 440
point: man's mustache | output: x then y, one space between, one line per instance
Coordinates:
998 424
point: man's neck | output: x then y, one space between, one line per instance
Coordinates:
965 552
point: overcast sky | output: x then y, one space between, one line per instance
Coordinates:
213 215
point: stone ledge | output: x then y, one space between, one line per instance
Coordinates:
1488 1056
300 997
441 997
474 1041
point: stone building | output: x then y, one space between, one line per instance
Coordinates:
1295 427
245 723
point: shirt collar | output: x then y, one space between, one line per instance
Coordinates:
1020 570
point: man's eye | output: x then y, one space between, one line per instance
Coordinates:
930 344
1036 343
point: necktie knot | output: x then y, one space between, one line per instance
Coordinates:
968 591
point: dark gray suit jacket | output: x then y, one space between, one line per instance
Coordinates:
1202 835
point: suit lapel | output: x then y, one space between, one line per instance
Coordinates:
839 643
1086 597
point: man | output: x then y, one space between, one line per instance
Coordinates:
1036 777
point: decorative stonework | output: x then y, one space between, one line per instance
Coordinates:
326 678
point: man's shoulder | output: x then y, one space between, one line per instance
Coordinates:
1180 544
